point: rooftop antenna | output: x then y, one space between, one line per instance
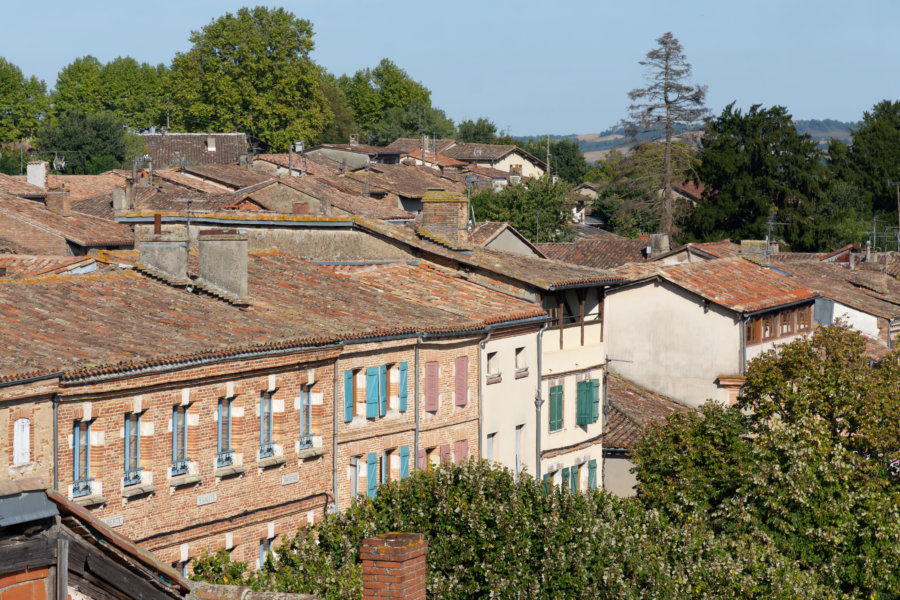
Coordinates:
770 223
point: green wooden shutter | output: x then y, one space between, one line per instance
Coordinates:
371 474
565 478
371 392
584 403
556 407
382 390
404 461
403 368
592 474
348 396
573 479
548 482
595 400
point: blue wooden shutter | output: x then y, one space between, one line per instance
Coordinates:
371 474
404 461
403 386
348 396
382 390
371 392
595 400
592 474
385 466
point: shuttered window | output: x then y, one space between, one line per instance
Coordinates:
180 458
584 408
565 478
461 451
462 380
575 478
595 400
81 458
403 369
422 460
382 390
348 396
385 466
21 442
372 391
404 461
445 453
592 474
132 449
548 482
556 397
431 386
371 474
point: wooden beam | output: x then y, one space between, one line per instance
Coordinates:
581 293
561 311
21 555
128 582
62 569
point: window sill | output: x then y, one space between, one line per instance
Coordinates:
137 490
229 471
310 453
92 500
521 373
494 378
182 480
271 461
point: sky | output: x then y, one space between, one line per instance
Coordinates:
532 68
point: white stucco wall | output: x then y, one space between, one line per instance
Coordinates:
510 402
617 476
529 169
864 323
754 350
663 339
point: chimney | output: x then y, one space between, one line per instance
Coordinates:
167 254
223 260
660 243
446 214
37 173
59 203
123 197
394 566
129 193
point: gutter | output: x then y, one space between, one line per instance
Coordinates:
538 399
30 379
481 346
753 313
570 286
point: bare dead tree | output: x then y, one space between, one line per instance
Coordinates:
668 106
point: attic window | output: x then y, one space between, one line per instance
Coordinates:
210 144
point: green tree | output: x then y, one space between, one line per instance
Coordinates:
667 106
342 124
539 209
23 102
566 159
250 71
482 131
79 87
90 143
415 119
755 165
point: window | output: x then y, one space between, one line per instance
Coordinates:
386 466
521 365
519 448
266 422
565 478
81 459
575 478
376 392
804 319
556 407
21 442
446 455
493 364
349 395
224 451
355 473
265 548
753 331
132 448
432 373
404 461
787 322
588 401
491 440
180 459
592 474
461 375
461 451
371 474
305 416
770 327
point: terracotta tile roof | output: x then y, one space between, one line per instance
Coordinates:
361 148
353 204
86 186
737 284
318 166
589 231
82 229
404 180
9 247
406 145
167 149
482 152
24 265
875 292
17 186
434 159
117 320
691 190
720 249
631 410
484 233
235 176
188 181
598 253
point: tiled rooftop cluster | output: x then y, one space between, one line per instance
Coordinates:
631 410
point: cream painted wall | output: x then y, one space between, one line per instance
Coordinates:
529 169
661 337
617 477
508 242
510 402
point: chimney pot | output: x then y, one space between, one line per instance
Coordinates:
223 260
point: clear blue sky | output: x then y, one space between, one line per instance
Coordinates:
532 67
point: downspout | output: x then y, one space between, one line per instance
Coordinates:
744 344
56 442
416 391
481 346
538 399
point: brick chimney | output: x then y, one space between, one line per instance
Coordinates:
59 203
393 566
167 254
223 260
37 173
446 214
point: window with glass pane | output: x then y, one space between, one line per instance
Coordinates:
81 458
180 459
225 454
132 448
266 420
305 417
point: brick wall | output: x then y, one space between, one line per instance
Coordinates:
36 240
393 566
39 414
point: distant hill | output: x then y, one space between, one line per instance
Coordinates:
825 130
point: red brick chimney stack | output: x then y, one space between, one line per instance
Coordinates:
446 214
394 566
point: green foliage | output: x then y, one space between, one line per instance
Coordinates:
415 119
12 162
492 534
482 131
566 159
519 205
342 124
800 462
23 101
251 72
756 166
90 143
218 568
130 89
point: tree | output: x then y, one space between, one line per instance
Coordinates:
23 102
90 143
754 166
342 124
669 105
482 131
412 120
251 72
566 159
539 208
